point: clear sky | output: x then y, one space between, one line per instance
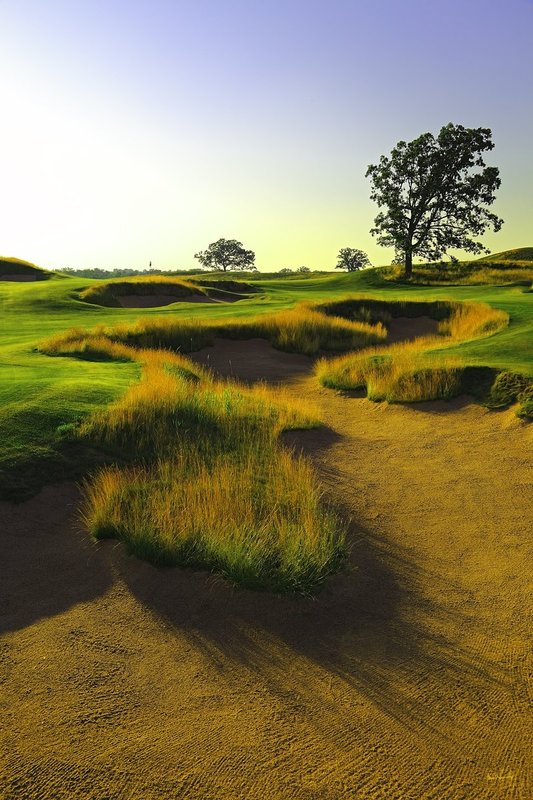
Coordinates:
136 131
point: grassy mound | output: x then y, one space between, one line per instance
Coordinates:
419 370
511 388
304 329
210 486
227 285
489 271
16 269
519 254
109 293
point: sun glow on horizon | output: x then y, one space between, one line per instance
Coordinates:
138 133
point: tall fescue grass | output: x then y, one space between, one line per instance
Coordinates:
211 487
255 515
107 294
465 273
472 321
401 373
176 399
413 371
303 329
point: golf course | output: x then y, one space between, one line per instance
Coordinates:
266 536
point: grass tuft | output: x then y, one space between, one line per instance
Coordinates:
255 515
413 371
303 329
212 487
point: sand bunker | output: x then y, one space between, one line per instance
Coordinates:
407 675
156 300
405 329
15 277
252 360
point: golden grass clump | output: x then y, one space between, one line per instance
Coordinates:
175 399
106 293
473 320
303 329
404 372
215 489
306 330
413 371
255 515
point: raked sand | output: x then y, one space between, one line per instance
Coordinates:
406 678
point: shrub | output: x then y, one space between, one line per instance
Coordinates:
511 387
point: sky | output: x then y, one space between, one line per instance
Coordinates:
136 132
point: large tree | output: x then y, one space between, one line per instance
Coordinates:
352 259
226 255
435 191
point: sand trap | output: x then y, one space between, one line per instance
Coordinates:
156 300
18 278
252 360
407 675
405 329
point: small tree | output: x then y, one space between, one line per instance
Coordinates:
436 191
226 254
303 270
352 259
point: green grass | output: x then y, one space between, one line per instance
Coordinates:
186 469
519 254
39 395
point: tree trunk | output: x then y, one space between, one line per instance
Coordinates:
408 262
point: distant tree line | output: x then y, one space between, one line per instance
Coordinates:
96 272
434 193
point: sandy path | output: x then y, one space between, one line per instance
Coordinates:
406 679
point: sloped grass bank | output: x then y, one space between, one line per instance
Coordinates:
422 370
200 479
109 293
465 273
16 269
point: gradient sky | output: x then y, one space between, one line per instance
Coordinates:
141 131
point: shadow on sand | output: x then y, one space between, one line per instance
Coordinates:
369 630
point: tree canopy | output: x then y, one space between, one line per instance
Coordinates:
227 255
436 192
352 259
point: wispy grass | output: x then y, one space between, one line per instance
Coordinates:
176 398
510 387
466 273
303 329
212 487
473 320
255 515
403 372
414 371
